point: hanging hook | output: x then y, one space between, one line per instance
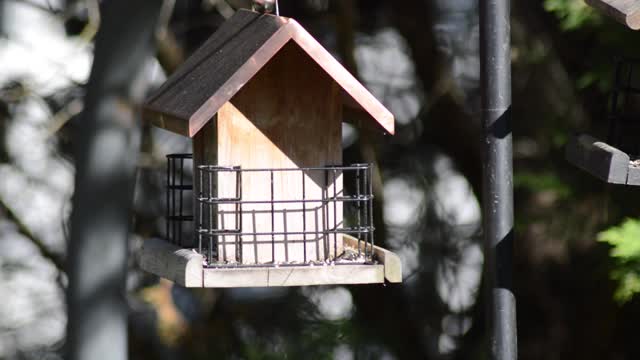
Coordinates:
266 6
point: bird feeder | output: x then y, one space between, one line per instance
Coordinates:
263 103
615 161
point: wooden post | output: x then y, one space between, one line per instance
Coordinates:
204 153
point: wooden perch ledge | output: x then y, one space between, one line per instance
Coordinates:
186 267
602 161
626 12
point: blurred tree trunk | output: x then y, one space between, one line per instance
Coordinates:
407 344
447 125
2 25
106 159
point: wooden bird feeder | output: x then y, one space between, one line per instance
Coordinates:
263 102
616 160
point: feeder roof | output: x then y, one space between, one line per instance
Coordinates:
228 60
625 11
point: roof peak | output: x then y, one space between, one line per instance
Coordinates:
228 60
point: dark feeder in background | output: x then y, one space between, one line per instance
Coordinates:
263 102
616 161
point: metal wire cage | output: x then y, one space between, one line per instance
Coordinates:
271 227
272 217
179 200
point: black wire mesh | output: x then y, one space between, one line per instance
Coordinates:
300 225
289 216
179 200
624 111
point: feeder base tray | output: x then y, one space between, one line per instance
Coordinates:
185 267
603 161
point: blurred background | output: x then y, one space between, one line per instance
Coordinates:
577 247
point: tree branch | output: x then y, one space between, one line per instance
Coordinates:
57 259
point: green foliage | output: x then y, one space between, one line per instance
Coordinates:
573 14
629 283
625 242
600 74
536 182
587 79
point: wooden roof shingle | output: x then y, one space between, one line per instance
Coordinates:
230 58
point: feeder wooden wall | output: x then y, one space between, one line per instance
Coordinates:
287 116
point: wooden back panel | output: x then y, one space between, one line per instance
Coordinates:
287 116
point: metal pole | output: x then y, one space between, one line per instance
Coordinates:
495 74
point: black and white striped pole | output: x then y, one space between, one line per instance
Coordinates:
497 194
